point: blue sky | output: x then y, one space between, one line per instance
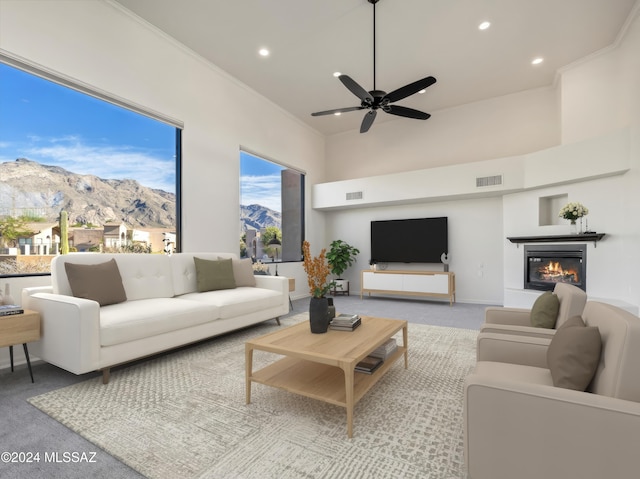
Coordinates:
260 182
54 125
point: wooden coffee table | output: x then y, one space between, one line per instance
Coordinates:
321 366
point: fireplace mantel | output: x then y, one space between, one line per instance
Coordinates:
595 237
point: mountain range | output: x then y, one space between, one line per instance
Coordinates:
29 188
32 189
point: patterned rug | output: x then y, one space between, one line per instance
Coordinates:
184 415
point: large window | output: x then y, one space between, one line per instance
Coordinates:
271 210
81 172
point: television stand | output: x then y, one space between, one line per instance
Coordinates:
438 284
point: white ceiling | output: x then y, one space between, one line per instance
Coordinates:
311 39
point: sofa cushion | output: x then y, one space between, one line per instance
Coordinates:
574 354
212 275
243 272
238 301
144 318
100 282
544 311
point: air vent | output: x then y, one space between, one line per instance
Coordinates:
488 181
356 195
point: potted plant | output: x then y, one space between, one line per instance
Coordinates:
341 255
317 271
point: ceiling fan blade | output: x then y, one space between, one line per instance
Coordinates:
406 112
356 89
338 110
367 121
409 89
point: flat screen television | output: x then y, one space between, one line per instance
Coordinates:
418 240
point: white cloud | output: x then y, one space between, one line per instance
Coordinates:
261 190
107 162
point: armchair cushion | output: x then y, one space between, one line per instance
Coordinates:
544 311
574 354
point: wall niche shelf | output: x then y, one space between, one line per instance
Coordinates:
595 237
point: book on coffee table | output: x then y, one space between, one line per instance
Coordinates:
385 350
345 322
368 365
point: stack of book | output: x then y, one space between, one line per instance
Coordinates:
9 309
385 350
368 365
345 322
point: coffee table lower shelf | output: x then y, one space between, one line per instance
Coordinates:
320 381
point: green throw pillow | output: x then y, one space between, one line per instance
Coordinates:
574 354
544 311
212 275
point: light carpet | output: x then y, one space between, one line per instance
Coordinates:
184 415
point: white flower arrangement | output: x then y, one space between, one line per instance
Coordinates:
260 268
573 211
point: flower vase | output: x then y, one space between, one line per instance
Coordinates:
319 315
573 228
7 299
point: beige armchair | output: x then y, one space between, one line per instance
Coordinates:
519 425
518 321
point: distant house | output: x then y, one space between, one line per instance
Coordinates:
45 239
85 239
115 235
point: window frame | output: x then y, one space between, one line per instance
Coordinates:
66 81
302 212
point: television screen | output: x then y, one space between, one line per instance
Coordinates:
419 240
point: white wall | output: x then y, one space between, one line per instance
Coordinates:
475 242
98 44
563 139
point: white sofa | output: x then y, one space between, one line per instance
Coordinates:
163 310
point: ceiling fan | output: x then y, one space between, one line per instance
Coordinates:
375 100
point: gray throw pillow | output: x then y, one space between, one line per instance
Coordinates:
574 354
242 272
212 275
100 282
544 311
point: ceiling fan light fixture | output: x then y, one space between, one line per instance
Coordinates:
375 99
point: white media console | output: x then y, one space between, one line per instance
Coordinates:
439 284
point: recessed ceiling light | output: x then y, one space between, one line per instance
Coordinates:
337 113
422 91
263 52
537 61
336 74
484 25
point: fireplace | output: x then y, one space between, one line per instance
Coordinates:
546 265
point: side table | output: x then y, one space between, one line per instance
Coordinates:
20 329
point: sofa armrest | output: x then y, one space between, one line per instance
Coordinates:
70 331
276 283
518 330
508 348
515 316
530 431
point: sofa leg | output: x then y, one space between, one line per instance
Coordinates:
277 321
106 375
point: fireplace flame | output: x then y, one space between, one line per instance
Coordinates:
554 272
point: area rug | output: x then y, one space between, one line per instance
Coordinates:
184 415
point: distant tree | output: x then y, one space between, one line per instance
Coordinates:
13 228
269 233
